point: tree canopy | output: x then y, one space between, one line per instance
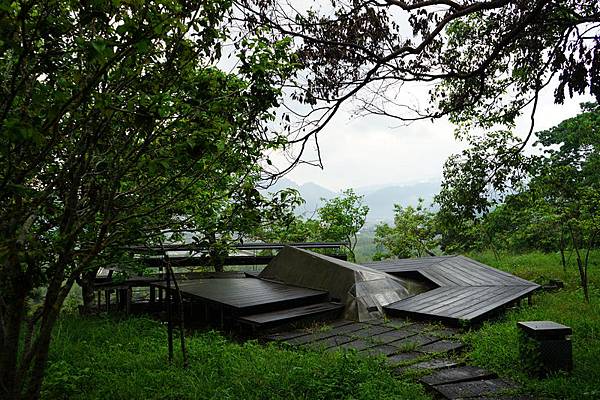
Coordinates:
548 201
116 127
414 233
339 219
484 60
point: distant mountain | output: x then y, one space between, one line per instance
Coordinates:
379 198
310 192
381 201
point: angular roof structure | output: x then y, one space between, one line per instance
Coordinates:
364 291
467 290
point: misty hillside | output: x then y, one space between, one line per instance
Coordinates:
380 199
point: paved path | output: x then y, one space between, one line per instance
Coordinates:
427 352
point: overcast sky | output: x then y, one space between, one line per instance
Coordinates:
376 151
373 150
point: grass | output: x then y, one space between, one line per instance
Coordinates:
494 345
101 357
104 358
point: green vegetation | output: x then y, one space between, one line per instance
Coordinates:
494 197
365 246
118 128
484 62
495 344
102 358
338 220
413 233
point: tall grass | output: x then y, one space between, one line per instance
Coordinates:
494 346
102 358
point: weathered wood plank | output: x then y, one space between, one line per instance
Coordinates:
290 314
458 297
246 292
431 296
474 299
476 313
461 277
468 289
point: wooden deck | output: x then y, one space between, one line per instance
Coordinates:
252 303
292 314
247 295
463 290
467 290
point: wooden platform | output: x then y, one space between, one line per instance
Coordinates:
253 304
466 289
292 314
247 295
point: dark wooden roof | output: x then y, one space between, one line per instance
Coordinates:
467 290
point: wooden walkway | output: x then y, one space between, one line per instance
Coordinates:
467 290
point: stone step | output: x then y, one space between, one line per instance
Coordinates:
481 388
457 374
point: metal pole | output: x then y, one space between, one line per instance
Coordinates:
169 317
181 316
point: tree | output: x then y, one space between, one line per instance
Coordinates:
286 226
338 220
474 183
486 59
341 218
567 179
547 201
413 234
117 129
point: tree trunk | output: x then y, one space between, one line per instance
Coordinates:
562 252
87 291
584 280
581 266
217 265
41 357
12 322
13 309
216 256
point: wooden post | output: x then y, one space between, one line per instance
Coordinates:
107 299
545 347
119 299
152 293
128 296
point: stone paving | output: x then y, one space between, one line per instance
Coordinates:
427 351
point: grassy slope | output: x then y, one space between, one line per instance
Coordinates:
101 358
494 346
105 358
